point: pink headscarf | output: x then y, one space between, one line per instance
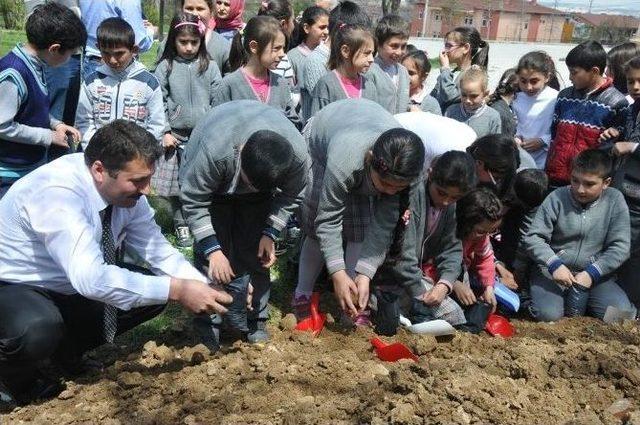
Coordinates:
234 21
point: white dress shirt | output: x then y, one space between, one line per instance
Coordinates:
50 237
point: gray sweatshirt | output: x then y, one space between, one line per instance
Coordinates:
234 86
393 96
187 94
314 68
418 246
211 166
341 135
485 120
217 46
329 89
446 90
594 238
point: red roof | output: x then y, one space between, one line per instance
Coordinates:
518 6
616 21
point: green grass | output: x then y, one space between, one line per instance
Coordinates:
9 38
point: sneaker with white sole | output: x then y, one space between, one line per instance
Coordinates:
185 240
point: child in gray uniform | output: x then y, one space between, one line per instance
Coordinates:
254 56
387 74
361 160
472 109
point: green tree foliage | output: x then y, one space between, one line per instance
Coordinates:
13 14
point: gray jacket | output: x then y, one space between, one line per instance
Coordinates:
329 89
483 121
441 247
314 68
211 165
217 46
594 238
446 90
234 86
341 135
187 94
393 99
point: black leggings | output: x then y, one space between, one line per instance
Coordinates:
37 324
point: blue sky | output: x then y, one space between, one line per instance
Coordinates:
627 7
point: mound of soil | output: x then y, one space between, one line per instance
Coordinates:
574 371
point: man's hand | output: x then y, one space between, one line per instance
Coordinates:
563 276
435 295
362 284
267 252
198 297
584 279
464 293
345 291
609 133
219 268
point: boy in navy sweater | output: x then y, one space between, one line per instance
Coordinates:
27 130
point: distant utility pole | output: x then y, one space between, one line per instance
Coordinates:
590 4
425 13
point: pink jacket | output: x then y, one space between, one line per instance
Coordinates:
477 257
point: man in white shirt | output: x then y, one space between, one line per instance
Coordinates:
61 292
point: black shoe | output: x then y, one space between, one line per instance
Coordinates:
42 388
7 402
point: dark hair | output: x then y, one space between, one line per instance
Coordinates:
454 169
499 154
421 60
309 17
391 26
530 187
479 48
261 29
349 13
543 63
115 32
352 36
593 161
587 55
279 9
507 86
632 64
51 24
190 28
266 157
411 48
210 3
617 57
119 142
475 207
398 154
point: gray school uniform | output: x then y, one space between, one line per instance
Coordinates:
394 97
340 196
314 68
329 89
234 86
297 57
446 90
217 46
430 104
483 121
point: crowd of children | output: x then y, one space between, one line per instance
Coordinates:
270 124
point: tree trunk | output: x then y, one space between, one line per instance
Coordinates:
390 7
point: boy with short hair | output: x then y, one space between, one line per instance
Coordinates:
121 88
578 238
583 111
27 130
390 78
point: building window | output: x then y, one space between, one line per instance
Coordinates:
526 25
421 15
468 20
485 23
436 17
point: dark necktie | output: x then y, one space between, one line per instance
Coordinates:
110 324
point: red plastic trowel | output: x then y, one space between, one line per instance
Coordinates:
315 322
392 352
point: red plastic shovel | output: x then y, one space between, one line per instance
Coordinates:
392 352
315 322
499 325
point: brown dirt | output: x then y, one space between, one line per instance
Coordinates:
573 371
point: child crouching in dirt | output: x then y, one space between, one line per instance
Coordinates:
424 239
578 238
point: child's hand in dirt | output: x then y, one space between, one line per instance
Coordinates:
506 277
624 148
345 290
219 268
583 279
362 284
609 133
490 298
464 293
563 276
267 252
435 295
169 142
